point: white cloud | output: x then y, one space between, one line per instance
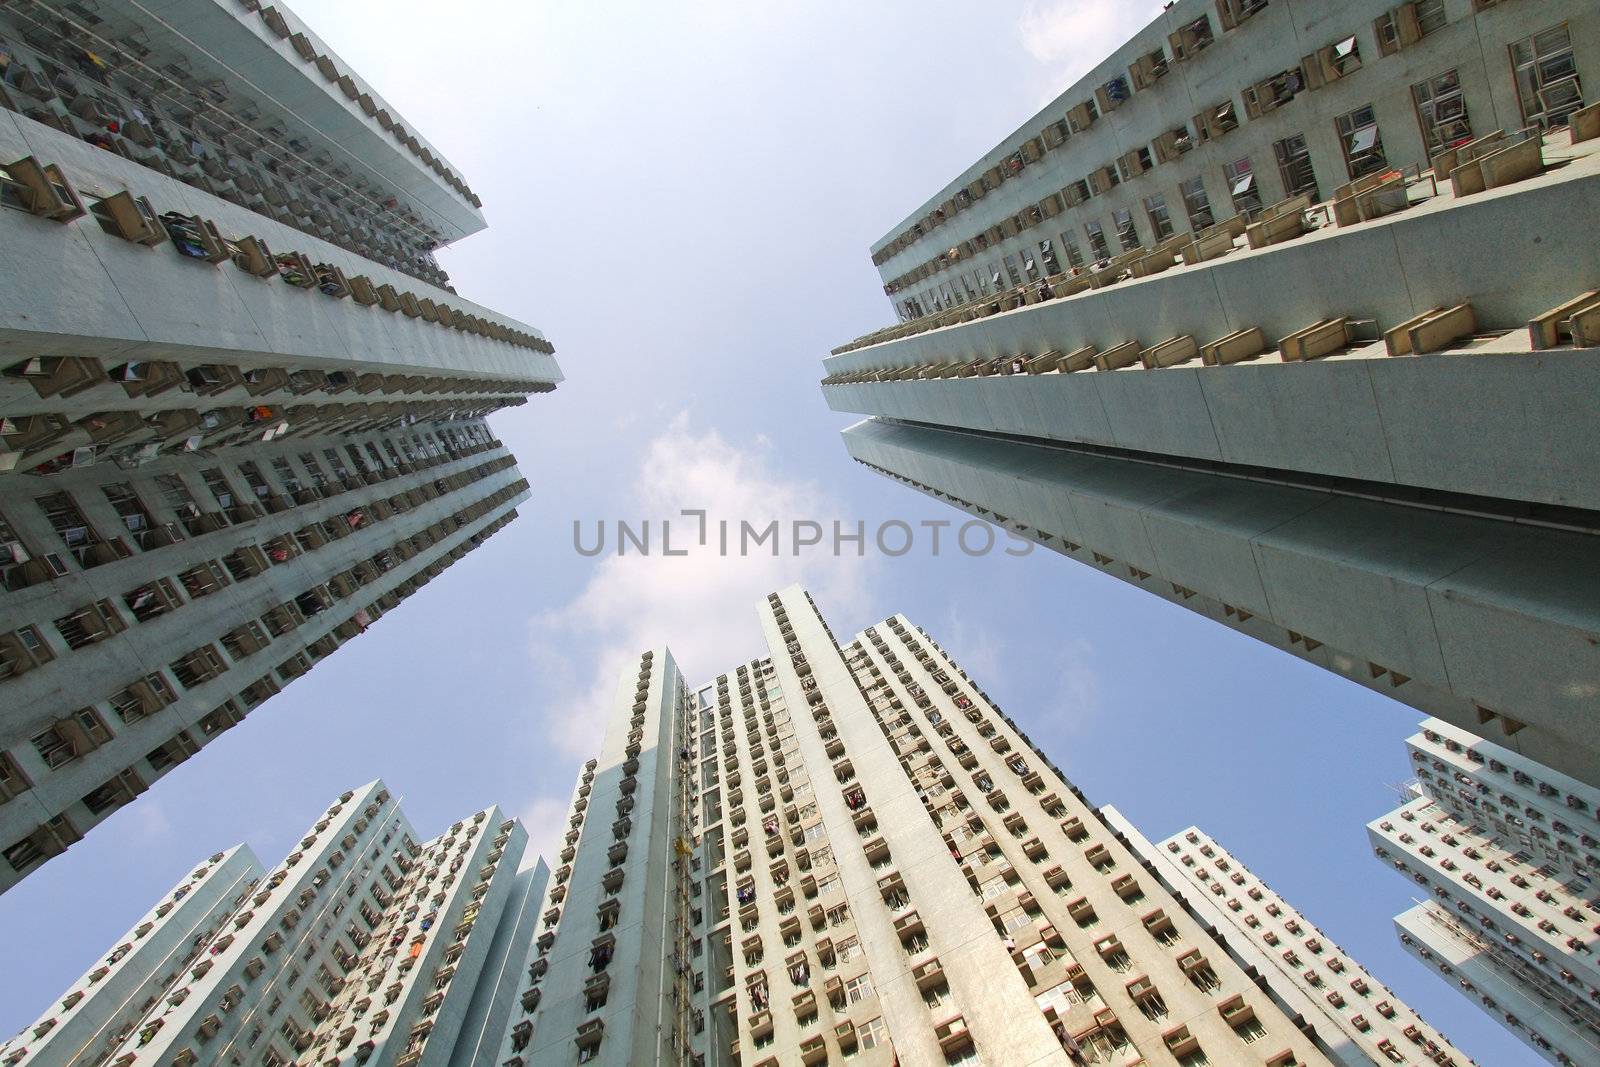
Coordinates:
1078 692
545 819
972 643
702 605
1070 36
148 821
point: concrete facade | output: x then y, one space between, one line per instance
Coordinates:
102 1008
240 406
1138 138
133 658
1358 1018
1508 850
1346 429
1543 1016
607 978
244 101
870 863
364 945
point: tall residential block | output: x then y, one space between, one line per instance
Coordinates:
103 1007
607 977
363 946
1283 314
846 852
241 408
1357 1017
1507 853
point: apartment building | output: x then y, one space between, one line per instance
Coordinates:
241 408
1505 852
106 1004
1359 1019
868 863
607 976
1200 324
364 945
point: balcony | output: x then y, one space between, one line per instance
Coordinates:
590 1034
953 1036
1180 1042
1235 1012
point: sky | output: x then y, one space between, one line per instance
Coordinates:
681 195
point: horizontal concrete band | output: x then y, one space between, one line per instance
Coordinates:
1511 426
1513 252
1476 612
1506 424
77 290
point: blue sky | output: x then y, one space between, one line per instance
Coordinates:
681 195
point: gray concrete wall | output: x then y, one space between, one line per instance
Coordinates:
985 987
75 289
113 1000
990 756
1474 44
633 1013
1430 946
1445 612
1509 425
500 978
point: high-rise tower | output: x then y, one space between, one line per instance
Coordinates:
846 850
1359 1019
241 409
1506 852
1280 314
363 946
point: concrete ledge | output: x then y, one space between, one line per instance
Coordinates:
1448 613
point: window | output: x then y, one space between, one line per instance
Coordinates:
68 522
54 747
254 478
858 988
336 464
13 553
1097 241
1408 24
1430 15
132 509
1242 188
1155 207
218 484
1361 142
1442 112
286 475
1196 204
1070 246
1547 77
1294 167
874 1033
1014 919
